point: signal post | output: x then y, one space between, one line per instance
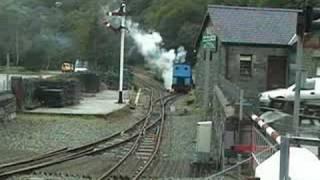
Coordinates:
122 13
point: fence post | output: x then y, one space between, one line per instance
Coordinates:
240 114
239 167
284 158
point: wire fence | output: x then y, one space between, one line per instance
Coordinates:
262 146
242 169
233 94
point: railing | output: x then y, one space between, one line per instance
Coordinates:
264 147
241 170
261 146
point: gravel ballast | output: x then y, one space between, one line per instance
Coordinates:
34 134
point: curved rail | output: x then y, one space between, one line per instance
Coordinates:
65 154
140 136
159 140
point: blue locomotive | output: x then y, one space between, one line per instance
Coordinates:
182 77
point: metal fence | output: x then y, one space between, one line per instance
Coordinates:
245 165
262 146
234 95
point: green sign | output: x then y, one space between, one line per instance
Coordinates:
209 42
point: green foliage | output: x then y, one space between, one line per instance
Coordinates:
35 59
39 33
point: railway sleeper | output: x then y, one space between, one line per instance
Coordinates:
119 177
53 175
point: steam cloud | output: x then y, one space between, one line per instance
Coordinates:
149 45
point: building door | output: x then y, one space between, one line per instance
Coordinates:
277 72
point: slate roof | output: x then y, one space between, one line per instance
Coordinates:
253 25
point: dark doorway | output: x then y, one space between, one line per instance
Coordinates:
277 72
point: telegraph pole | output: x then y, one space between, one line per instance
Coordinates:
296 111
301 27
122 13
304 26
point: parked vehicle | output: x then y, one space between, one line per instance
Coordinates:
182 77
310 92
67 67
81 66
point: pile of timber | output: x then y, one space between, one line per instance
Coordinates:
26 93
90 82
7 106
32 93
59 93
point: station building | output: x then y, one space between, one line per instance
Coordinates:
250 49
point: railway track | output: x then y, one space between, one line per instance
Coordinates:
143 139
65 154
139 156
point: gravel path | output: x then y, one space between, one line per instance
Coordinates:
33 134
178 147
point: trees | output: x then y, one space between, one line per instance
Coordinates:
74 29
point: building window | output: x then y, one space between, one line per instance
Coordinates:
246 65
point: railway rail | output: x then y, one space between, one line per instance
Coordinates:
145 135
65 154
144 148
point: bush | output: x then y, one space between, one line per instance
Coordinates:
34 59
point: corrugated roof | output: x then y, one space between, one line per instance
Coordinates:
253 25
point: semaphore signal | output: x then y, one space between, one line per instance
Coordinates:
121 13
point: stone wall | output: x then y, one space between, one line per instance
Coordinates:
258 81
206 71
222 113
7 107
225 62
213 95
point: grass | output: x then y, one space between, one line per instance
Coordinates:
52 117
118 113
20 70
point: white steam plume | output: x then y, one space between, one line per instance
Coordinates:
149 45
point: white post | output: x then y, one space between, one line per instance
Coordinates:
284 158
123 33
240 115
17 48
239 166
7 69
